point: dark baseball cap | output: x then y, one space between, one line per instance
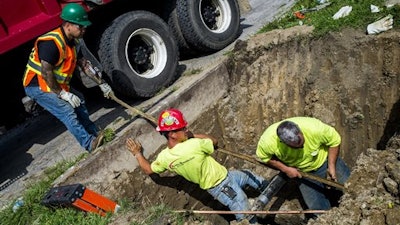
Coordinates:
289 133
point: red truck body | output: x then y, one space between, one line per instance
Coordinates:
136 44
35 17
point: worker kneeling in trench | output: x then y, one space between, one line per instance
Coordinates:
297 146
189 155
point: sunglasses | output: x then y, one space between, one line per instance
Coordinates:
81 27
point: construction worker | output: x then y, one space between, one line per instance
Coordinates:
189 155
302 144
49 71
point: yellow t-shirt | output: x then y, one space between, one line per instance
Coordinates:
318 138
192 160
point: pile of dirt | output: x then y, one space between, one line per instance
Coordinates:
371 194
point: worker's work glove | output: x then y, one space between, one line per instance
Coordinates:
72 99
133 146
381 25
106 89
343 12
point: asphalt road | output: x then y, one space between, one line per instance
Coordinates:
42 141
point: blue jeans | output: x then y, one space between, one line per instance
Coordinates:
76 120
313 192
230 191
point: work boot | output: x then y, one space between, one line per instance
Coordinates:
97 142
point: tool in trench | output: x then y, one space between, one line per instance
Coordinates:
277 182
271 212
303 174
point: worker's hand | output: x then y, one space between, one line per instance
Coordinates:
72 99
292 172
331 175
133 146
106 89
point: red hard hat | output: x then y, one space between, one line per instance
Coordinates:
171 119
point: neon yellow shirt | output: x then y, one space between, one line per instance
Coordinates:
192 160
318 138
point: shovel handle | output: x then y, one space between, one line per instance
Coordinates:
303 174
135 110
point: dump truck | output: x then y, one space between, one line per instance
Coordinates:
137 43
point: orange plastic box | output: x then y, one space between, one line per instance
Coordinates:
80 197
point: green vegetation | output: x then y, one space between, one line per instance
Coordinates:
33 212
322 20
192 71
109 135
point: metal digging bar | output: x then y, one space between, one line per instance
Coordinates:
303 174
250 212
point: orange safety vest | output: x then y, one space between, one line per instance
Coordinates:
64 67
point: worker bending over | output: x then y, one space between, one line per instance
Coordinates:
303 144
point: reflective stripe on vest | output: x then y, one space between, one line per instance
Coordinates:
64 68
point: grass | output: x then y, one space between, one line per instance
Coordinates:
33 212
322 20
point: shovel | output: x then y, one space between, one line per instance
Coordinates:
303 174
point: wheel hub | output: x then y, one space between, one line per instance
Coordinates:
142 55
210 15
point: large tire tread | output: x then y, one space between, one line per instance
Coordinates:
197 35
111 54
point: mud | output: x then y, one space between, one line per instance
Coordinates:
349 80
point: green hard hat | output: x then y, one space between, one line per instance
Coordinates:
75 13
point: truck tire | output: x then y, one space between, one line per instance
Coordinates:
208 25
171 17
139 54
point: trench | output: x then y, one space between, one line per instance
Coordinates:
348 80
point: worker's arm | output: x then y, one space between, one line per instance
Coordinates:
203 136
135 148
333 154
291 172
48 76
189 134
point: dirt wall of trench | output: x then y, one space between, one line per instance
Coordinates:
347 79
